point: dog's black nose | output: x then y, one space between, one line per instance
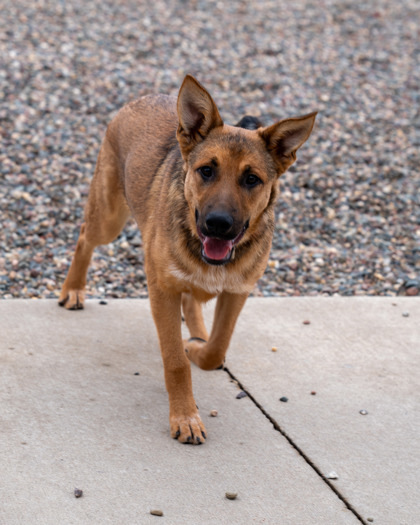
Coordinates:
218 223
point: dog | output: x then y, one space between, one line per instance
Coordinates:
203 194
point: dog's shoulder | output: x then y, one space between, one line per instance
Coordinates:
144 129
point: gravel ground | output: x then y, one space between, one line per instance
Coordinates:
349 214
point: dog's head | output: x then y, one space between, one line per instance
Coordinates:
231 172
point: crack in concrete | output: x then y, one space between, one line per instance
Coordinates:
298 449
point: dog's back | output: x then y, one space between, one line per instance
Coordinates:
142 135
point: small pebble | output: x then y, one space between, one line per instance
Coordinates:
313 393
410 288
406 314
306 321
332 475
213 413
156 513
103 302
78 493
241 395
370 520
136 373
363 412
231 495
274 349
284 399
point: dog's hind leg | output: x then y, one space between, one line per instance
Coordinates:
105 216
194 317
211 355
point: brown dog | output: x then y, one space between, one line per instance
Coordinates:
203 196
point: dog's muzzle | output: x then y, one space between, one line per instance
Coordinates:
218 238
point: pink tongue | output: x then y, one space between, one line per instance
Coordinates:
216 248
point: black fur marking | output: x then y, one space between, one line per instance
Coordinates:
248 122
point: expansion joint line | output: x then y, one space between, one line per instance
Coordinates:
298 449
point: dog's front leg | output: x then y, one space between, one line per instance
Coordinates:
210 355
185 421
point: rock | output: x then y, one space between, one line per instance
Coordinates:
332 475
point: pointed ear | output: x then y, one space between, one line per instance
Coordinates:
286 137
197 114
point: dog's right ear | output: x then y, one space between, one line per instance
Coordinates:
197 114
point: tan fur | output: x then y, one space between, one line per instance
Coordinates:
149 166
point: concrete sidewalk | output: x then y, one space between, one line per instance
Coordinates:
74 414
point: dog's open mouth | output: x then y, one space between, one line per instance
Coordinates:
219 251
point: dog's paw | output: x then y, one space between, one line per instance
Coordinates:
198 353
72 299
194 349
188 430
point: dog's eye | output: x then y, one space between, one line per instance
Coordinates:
206 172
251 180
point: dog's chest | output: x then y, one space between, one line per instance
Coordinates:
215 281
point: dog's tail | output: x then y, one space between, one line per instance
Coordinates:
249 122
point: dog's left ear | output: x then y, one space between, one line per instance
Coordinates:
286 137
197 114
